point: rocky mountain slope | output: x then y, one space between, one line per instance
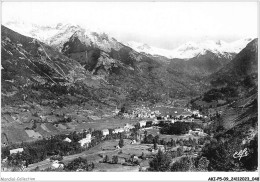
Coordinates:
235 78
234 120
145 77
27 62
242 69
201 65
40 84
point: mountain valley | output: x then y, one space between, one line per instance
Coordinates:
67 81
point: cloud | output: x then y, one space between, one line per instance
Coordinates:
161 24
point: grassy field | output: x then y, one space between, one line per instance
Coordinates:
97 153
16 132
101 167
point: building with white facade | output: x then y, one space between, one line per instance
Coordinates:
105 132
15 151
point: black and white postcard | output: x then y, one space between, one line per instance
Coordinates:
150 90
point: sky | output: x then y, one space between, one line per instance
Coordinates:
160 24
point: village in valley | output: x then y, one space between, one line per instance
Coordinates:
140 133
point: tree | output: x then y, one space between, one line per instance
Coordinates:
179 151
145 132
190 141
106 159
121 142
165 147
155 146
150 139
78 163
184 164
142 156
220 155
181 143
156 139
137 126
161 162
203 164
115 159
37 168
194 142
174 143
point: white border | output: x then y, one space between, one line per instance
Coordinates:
126 176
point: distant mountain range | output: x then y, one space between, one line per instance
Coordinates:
56 35
123 64
192 49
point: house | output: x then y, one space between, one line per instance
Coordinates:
198 129
173 121
85 141
201 133
151 150
15 151
79 170
157 112
142 123
4 160
105 132
126 115
51 119
152 116
67 140
186 114
191 132
88 136
133 142
186 149
116 111
118 130
188 120
57 164
155 122
128 127
195 112
135 157
197 132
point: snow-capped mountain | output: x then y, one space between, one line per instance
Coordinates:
41 33
144 48
57 35
192 49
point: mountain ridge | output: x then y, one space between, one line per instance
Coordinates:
190 50
56 34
